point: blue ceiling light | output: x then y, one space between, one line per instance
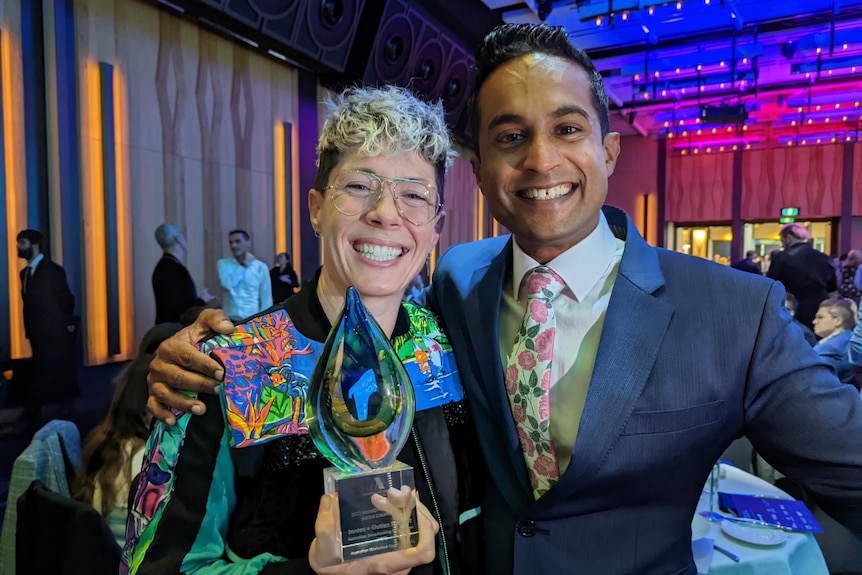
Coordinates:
712 81
826 64
767 46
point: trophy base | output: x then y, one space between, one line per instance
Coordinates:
365 529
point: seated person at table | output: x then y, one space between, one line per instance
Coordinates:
834 324
218 498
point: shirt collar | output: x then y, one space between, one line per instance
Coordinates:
36 261
831 335
580 266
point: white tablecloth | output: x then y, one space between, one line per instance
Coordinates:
798 555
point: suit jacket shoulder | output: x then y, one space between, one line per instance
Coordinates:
478 253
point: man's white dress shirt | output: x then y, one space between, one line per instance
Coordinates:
248 290
589 270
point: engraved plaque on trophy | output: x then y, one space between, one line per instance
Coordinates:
359 413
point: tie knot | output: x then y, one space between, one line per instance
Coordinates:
542 282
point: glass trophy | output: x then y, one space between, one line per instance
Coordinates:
359 413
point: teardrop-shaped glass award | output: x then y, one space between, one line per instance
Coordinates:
360 401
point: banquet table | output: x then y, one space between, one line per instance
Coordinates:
798 555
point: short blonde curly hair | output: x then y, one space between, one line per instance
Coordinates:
380 121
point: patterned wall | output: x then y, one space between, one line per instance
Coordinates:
857 180
808 177
636 176
699 188
200 113
460 203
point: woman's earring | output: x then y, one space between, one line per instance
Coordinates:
316 233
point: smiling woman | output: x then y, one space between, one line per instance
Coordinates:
376 205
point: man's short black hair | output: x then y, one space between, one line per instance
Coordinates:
243 232
35 237
511 41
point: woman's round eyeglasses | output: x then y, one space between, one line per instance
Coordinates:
355 192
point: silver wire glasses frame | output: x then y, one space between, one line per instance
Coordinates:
355 192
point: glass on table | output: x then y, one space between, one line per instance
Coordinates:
714 476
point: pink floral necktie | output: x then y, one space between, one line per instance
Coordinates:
528 378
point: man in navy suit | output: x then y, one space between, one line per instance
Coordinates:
748 264
651 380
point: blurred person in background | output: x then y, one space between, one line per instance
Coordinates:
173 285
805 272
749 263
244 279
848 273
283 278
415 288
834 323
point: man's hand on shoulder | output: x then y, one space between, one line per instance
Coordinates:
179 366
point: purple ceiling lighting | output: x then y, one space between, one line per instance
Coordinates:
666 62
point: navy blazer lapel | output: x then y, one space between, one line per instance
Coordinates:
484 300
633 331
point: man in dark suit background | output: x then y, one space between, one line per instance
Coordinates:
748 264
49 324
805 272
173 285
283 278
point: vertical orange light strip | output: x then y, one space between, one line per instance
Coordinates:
124 228
94 226
18 344
480 217
296 195
279 188
638 213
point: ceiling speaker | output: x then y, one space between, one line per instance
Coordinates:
274 8
242 10
320 29
401 44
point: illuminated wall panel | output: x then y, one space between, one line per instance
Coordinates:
280 199
7 272
109 197
15 200
287 196
107 312
297 196
62 141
